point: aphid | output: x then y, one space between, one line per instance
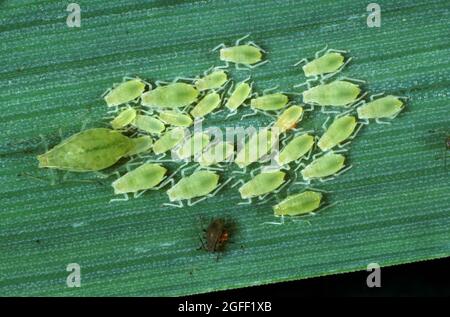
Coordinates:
89 150
205 106
269 102
176 118
340 130
124 92
169 140
141 144
249 54
174 95
241 92
326 165
262 184
258 145
144 177
385 107
298 204
148 124
295 149
193 145
217 234
214 80
338 93
124 118
330 63
215 154
200 183
288 119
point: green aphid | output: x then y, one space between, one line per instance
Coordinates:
175 95
295 149
340 130
124 118
141 145
89 150
193 145
169 140
217 153
262 184
241 92
338 93
258 145
386 107
176 118
298 204
214 80
288 119
205 106
125 92
198 184
149 124
144 177
324 166
269 102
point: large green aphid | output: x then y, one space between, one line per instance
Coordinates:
174 95
340 130
298 204
169 140
213 80
262 184
241 92
270 102
124 118
148 124
250 55
288 119
193 145
206 105
296 149
217 153
89 150
386 107
141 145
327 165
124 92
200 183
258 145
176 118
144 177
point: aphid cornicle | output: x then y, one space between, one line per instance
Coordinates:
295 149
340 130
215 154
200 183
258 145
148 124
169 140
298 204
216 235
174 95
140 145
144 177
289 118
324 166
262 184
193 145
176 118
249 54
89 150
124 92
124 118
269 102
206 105
241 92
213 80
339 93
385 107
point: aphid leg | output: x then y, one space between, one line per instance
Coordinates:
377 120
351 137
298 167
161 82
360 81
343 171
125 198
328 76
274 222
358 101
327 112
166 181
257 46
190 203
221 45
232 113
240 181
308 85
303 60
259 64
318 53
267 90
372 97
242 172
178 205
364 121
324 125
180 78
106 92
254 112
238 41
247 202
203 244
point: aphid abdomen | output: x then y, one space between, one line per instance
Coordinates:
89 150
212 81
239 95
385 107
125 92
124 118
262 184
337 93
168 140
176 118
241 54
144 177
174 95
325 64
324 166
269 102
295 149
289 118
298 204
205 106
141 144
149 124
200 183
338 131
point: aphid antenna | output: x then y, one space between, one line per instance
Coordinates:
319 190
267 90
190 203
238 41
274 222
250 67
253 113
351 137
231 114
328 112
339 151
297 168
323 180
239 181
303 60
184 170
248 201
351 79
221 45
328 76
372 97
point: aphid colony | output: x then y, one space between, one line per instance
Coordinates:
149 120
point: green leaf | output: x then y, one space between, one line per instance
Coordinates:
393 205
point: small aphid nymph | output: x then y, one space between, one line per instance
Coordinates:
298 204
340 130
144 177
241 92
289 118
339 93
148 124
386 107
262 184
271 102
141 145
124 118
176 118
174 95
295 149
198 184
169 140
324 166
214 80
205 106
125 92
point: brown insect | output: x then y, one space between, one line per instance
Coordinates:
217 235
